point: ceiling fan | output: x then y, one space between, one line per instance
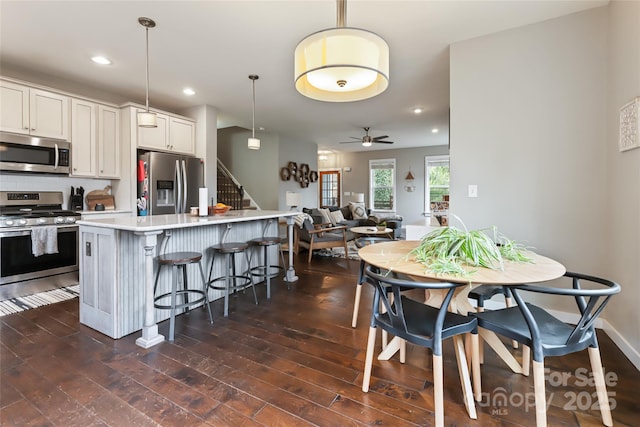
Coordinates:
367 140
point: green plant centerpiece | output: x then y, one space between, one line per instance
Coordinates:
382 225
447 250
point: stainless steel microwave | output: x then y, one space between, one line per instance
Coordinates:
24 153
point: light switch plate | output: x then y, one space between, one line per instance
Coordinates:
473 190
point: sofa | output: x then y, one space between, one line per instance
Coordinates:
393 221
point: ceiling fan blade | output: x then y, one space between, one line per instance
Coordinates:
383 142
353 137
348 142
380 137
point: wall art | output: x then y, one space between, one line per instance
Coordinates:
629 125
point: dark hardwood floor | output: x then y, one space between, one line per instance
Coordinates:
293 360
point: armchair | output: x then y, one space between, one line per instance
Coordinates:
321 236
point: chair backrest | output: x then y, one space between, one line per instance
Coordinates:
590 303
389 305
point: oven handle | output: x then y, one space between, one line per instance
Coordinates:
14 232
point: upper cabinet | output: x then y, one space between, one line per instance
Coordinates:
32 111
95 140
173 134
108 142
155 138
182 135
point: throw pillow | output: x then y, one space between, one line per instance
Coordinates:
326 216
357 210
337 217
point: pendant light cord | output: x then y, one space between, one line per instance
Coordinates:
253 115
253 78
147 52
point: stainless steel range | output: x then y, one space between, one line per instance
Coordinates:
38 243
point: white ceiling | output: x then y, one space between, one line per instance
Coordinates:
212 46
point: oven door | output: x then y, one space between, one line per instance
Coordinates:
17 262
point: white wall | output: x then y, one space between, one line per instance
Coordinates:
529 115
622 215
206 142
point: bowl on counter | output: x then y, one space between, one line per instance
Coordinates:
219 210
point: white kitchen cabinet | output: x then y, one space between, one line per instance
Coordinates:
155 138
173 134
95 140
108 142
83 138
32 111
182 135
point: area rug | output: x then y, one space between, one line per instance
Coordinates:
18 304
339 252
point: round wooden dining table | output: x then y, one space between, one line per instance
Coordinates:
395 256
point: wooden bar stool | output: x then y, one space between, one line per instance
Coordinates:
266 270
179 261
233 281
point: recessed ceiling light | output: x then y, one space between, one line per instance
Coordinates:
434 130
188 91
417 110
101 60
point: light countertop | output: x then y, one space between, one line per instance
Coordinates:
167 222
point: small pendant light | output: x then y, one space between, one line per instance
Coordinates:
253 142
147 119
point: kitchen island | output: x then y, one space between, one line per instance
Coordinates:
117 263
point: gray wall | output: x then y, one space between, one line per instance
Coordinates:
621 215
533 127
294 151
256 170
409 205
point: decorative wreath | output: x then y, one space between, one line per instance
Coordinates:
302 174
285 174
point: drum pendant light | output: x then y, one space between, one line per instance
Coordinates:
342 64
147 119
253 142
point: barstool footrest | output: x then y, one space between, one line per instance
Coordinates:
232 286
180 292
264 271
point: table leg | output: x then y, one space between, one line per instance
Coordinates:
150 335
291 273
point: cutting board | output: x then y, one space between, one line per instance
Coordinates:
100 196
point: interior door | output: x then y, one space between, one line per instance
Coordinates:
329 189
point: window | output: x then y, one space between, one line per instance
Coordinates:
329 188
382 184
436 183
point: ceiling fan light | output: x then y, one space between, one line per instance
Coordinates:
366 143
342 65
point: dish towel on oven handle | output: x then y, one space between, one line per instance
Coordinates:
44 240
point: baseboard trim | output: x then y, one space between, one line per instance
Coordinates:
618 339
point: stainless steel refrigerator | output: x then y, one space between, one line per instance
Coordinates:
168 183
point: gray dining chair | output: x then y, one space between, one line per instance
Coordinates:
420 324
547 335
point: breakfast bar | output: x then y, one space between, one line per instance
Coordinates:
117 263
